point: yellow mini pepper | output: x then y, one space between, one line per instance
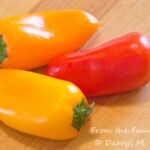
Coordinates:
41 105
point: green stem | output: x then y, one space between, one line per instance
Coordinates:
3 53
80 113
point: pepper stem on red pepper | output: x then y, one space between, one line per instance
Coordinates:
80 113
3 53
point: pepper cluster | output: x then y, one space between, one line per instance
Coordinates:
54 105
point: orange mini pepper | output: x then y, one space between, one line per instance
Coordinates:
42 106
32 40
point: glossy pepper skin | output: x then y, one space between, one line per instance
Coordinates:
41 106
32 40
120 65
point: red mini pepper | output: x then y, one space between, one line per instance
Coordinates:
120 65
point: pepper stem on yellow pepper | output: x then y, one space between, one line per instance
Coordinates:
80 113
3 53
